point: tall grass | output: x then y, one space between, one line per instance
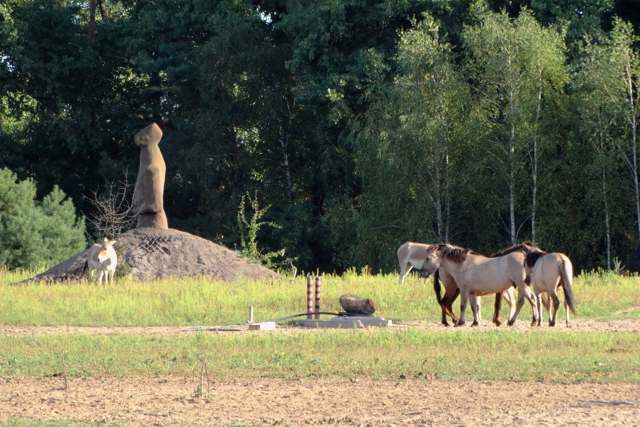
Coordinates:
206 302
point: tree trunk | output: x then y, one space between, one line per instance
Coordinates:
92 18
607 223
635 175
447 200
512 208
285 162
634 154
438 200
284 145
534 172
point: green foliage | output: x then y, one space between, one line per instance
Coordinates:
409 145
250 228
36 233
337 112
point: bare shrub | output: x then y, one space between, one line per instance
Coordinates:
112 210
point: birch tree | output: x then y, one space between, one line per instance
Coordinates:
598 114
430 99
624 90
424 105
607 81
515 63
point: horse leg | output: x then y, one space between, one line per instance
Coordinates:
555 302
521 295
464 298
450 295
535 320
496 309
532 298
405 268
539 308
443 319
475 307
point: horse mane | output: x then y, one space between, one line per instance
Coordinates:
532 257
454 253
526 247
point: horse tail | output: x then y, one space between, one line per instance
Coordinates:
566 272
436 286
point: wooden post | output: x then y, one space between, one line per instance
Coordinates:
309 298
250 315
318 284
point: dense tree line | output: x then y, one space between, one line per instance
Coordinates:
359 124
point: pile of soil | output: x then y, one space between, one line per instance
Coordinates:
152 253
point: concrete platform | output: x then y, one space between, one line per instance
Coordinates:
345 322
262 326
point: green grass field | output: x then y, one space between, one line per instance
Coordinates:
493 354
379 354
205 302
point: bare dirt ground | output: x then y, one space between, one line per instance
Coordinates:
172 401
627 325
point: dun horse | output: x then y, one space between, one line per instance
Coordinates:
477 275
411 256
546 272
451 292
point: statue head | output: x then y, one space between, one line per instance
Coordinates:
150 135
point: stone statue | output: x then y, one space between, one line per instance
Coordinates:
148 205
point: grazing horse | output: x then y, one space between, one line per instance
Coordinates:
102 260
546 272
411 256
477 275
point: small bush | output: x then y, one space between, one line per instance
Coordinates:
35 233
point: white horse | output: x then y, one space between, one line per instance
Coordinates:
477 275
102 260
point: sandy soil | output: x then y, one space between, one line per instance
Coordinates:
627 325
171 401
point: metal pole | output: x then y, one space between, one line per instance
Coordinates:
309 298
318 283
250 319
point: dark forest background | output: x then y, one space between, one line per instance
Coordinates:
355 124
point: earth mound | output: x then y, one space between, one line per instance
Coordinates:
153 253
